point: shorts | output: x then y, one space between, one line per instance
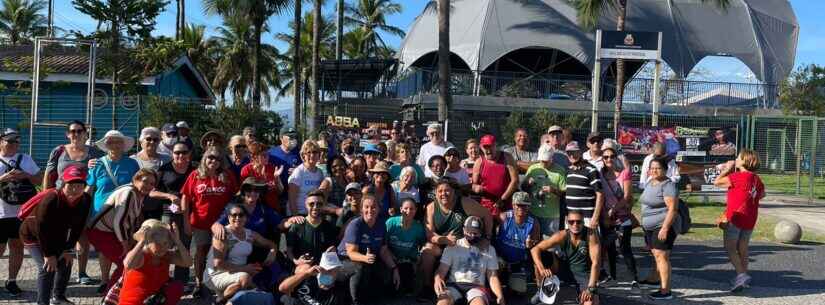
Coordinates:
9 229
220 280
549 226
201 237
469 292
652 238
733 232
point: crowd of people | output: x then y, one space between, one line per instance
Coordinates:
336 222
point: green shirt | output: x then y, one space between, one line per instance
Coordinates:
307 238
405 244
555 177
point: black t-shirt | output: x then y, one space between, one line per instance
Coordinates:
306 238
308 293
582 185
169 181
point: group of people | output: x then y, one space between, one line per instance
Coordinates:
359 222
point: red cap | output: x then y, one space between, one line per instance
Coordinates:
74 173
487 140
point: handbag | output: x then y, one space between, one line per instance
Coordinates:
722 221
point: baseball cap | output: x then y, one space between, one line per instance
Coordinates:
371 149
288 131
549 289
73 173
450 150
522 198
329 261
554 128
545 153
610 144
9 133
353 186
168 127
572 146
487 140
593 136
182 124
474 223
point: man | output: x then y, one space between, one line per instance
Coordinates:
307 241
555 138
469 263
183 134
313 285
249 134
594 150
523 157
578 260
348 149
584 189
517 233
169 137
286 155
495 177
659 152
372 154
436 146
20 169
547 182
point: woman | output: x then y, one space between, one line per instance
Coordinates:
334 186
171 178
745 189
111 230
403 158
148 156
110 172
147 265
238 156
205 194
618 201
44 233
228 271
261 169
382 190
304 179
405 237
405 186
61 157
473 155
454 169
659 220
357 171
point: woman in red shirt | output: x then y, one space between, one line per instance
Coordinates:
263 170
147 265
745 189
205 194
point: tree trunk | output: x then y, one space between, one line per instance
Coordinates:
177 20
115 63
620 67
339 49
444 94
316 66
296 66
182 16
256 71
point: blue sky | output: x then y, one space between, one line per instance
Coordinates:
811 48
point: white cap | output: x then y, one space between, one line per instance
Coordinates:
549 289
182 124
329 261
545 153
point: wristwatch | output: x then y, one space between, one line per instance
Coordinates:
593 290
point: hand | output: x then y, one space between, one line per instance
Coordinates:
68 257
586 296
730 165
252 269
530 181
439 287
51 264
396 278
370 257
594 222
218 231
663 234
545 273
478 189
173 230
313 271
270 258
529 242
451 239
91 164
548 190
278 170
297 220
304 259
174 199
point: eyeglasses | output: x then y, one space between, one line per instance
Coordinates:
575 222
152 139
237 215
181 152
77 131
608 157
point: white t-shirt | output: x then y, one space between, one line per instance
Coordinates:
597 162
306 181
460 176
428 150
28 166
468 264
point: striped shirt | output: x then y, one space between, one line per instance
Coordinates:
125 217
582 184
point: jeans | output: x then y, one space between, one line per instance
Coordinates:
47 284
623 234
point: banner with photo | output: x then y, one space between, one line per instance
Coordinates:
680 142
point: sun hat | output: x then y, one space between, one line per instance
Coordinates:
253 182
219 138
380 167
329 261
549 289
545 153
148 132
128 142
572 146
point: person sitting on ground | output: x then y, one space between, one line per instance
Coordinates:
405 237
578 261
517 233
470 263
307 240
312 285
523 157
228 269
147 265
546 181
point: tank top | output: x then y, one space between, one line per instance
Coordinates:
494 179
451 221
238 250
577 257
512 238
140 283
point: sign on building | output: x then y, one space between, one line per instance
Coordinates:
630 45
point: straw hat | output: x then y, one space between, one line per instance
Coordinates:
380 167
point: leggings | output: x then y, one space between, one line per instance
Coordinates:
623 234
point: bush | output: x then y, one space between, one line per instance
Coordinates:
537 124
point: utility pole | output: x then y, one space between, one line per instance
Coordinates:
50 30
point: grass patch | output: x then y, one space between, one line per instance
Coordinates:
786 184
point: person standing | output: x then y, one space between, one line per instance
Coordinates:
239 155
287 155
555 138
405 185
404 159
436 146
659 152
547 182
348 149
745 189
183 134
473 155
249 134
382 190
304 179
520 151
584 188
169 136
594 150
454 169
261 169
618 204
495 178
659 219
148 156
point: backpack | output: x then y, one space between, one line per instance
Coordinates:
684 217
32 203
19 191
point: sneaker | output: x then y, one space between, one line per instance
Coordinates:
741 282
85 279
60 301
635 287
11 287
102 289
659 295
607 281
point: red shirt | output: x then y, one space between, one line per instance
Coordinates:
743 199
271 196
209 197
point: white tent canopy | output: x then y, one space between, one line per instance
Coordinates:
761 33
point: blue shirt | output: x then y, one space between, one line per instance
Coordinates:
289 160
123 170
511 242
262 220
236 169
361 235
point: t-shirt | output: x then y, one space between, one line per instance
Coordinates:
28 166
672 171
262 220
654 209
306 181
209 197
154 164
169 181
289 160
594 160
582 184
61 162
271 197
743 199
460 176
405 244
469 264
554 177
428 150
309 293
123 170
313 239
360 234
521 155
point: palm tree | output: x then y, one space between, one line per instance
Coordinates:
326 49
371 17
258 12
316 65
180 19
21 20
200 49
296 63
590 11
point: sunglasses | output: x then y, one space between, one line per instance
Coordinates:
608 157
575 222
152 139
240 146
181 152
237 215
77 131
